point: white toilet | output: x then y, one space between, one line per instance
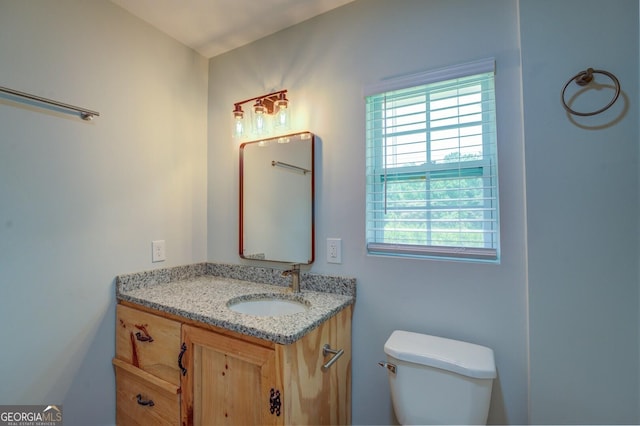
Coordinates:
435 380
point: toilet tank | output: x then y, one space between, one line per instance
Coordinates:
438 380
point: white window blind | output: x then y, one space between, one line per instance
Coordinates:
432 169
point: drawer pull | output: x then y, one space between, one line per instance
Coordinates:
143 338
143 335
183 349
147 402
337 353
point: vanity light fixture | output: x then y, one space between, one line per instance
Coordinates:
270 107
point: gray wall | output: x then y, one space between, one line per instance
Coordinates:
81 202
325 63
582 213
581 280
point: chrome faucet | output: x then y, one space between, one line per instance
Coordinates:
294 272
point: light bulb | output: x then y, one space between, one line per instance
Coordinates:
238 122
259 122
282 112
283 117
239 127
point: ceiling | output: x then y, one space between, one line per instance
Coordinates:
212 27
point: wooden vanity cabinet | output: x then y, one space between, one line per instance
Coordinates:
229 378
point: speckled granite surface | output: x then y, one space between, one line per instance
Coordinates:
201 291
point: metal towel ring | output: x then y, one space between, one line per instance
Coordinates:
582 79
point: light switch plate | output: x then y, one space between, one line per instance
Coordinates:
334 250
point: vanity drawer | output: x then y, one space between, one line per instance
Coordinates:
143 399
149 342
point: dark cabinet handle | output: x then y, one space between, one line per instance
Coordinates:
183 349
143 338
147 402
143 335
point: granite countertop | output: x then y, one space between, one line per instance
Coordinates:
200 292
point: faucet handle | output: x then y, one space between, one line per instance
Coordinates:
295 269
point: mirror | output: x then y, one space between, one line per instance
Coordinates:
276 199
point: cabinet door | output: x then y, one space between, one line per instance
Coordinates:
149 342
229 381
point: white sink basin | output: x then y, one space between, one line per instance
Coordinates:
267 306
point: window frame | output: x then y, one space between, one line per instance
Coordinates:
482 168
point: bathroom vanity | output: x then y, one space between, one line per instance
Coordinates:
185 356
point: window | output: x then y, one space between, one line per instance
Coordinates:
432 175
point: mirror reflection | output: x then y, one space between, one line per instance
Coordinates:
276 199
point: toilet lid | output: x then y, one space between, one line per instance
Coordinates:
459 357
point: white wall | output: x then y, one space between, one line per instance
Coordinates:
582 213
81 202
324 64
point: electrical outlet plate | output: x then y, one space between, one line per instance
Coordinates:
334 250
158 251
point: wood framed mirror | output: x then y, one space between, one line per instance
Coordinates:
277 199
